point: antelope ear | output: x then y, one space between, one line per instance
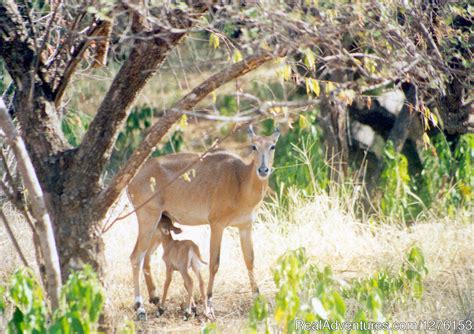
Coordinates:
250 132
177 230
276 134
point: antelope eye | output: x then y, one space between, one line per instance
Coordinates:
254 148
272 147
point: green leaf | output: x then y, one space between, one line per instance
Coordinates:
183 122
309 59
340 305
214 40
329 87
312 85
426 139
284 72
236 56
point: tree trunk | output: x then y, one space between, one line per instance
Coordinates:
334 124
37 203
79 240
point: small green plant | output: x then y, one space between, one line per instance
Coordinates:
259 313
374 293
398 200
80 306
210 328
310 295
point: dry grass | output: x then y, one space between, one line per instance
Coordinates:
331 237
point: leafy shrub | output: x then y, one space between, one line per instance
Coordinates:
259 313
300 159
80 306
447 179
382 287
306 293
398 200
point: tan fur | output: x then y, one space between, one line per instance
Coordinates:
181 255
220 190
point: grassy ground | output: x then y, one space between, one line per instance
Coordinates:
331 237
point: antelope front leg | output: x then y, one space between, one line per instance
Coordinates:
146 231
137 259
247 250
215 250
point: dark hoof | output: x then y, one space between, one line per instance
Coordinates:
141 314
256 293
155 300
187 316
160 312
194 310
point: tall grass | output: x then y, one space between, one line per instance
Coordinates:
444 187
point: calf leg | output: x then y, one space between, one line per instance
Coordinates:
188 284
247 250
169 275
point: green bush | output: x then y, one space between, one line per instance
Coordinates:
398 200
447 179
306 293
300 159
80 306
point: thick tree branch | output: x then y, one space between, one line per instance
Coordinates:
144 60
38 205
16 47
159 129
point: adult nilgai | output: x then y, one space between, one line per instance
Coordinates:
220 190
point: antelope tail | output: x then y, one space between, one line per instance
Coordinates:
199 257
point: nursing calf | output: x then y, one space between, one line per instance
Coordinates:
181 255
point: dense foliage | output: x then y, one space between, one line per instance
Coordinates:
82 300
